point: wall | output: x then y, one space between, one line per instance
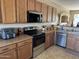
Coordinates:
57 8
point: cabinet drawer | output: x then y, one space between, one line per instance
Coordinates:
7 48
24 42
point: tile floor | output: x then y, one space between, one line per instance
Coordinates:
56 52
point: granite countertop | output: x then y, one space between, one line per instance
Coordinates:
14 40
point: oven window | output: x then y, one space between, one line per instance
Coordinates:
38 40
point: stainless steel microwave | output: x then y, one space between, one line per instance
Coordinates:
34 17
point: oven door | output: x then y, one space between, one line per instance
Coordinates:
38 40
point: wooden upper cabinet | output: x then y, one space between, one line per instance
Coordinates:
25 52
45 12
55 15
31 4
0 13
21 11
8 11
50 13
38 6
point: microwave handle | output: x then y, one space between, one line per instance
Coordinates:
41 18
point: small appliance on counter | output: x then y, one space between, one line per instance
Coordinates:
7 33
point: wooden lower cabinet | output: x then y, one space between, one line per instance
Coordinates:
77 45
19 50
52 38
49 39
11 54
71 43
25 52
47 42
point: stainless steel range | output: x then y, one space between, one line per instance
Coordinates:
38 41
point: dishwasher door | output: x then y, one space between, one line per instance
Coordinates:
61 39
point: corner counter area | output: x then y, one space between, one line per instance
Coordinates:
19 47
71 40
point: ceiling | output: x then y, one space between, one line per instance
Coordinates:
68 4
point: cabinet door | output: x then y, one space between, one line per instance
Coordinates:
45 12
47 42
25 52
77 45
31 4
21 11
9 55
71 43
55 15
50 14
0 13
52 38
38 6
8 11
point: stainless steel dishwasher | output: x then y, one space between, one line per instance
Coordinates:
61 39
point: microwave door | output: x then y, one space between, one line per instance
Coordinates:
41 18
33 18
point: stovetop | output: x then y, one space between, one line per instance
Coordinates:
33 32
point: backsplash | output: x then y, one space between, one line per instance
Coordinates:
24 25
